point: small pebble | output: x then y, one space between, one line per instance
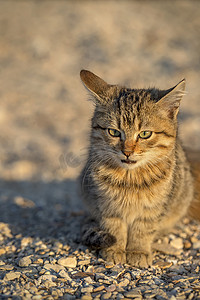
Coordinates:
123 283
69 262
65 275
99 288
166 249
26 241
84 262
86 297
106 295
2 251
25 261
194 239
163 264
88 289
6 267
177 243
196 245
12 275
111 288
187 245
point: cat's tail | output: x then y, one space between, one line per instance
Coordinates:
194 159
96 238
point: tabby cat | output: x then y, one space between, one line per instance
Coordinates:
137 181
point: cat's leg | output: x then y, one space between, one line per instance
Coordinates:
117 228
140 238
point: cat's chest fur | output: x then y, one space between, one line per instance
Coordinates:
132 194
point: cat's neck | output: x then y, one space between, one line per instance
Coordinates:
154 171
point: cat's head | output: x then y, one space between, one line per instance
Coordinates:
132 127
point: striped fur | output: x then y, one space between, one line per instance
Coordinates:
135 188
194 159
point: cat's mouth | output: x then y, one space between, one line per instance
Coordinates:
128 161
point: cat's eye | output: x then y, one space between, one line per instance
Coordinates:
114 132
145 134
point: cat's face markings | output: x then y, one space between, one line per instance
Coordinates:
127 111
133 127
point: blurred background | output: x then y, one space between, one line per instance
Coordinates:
45 115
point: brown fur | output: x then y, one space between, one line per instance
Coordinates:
194 159
135 187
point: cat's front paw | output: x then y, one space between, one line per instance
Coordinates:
114 255
139 259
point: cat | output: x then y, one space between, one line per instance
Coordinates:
136 182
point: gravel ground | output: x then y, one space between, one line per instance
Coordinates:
44 121
49 262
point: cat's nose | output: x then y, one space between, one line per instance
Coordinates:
127 153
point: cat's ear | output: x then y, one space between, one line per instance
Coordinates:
97 86
170 99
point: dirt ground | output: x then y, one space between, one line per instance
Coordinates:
45 115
